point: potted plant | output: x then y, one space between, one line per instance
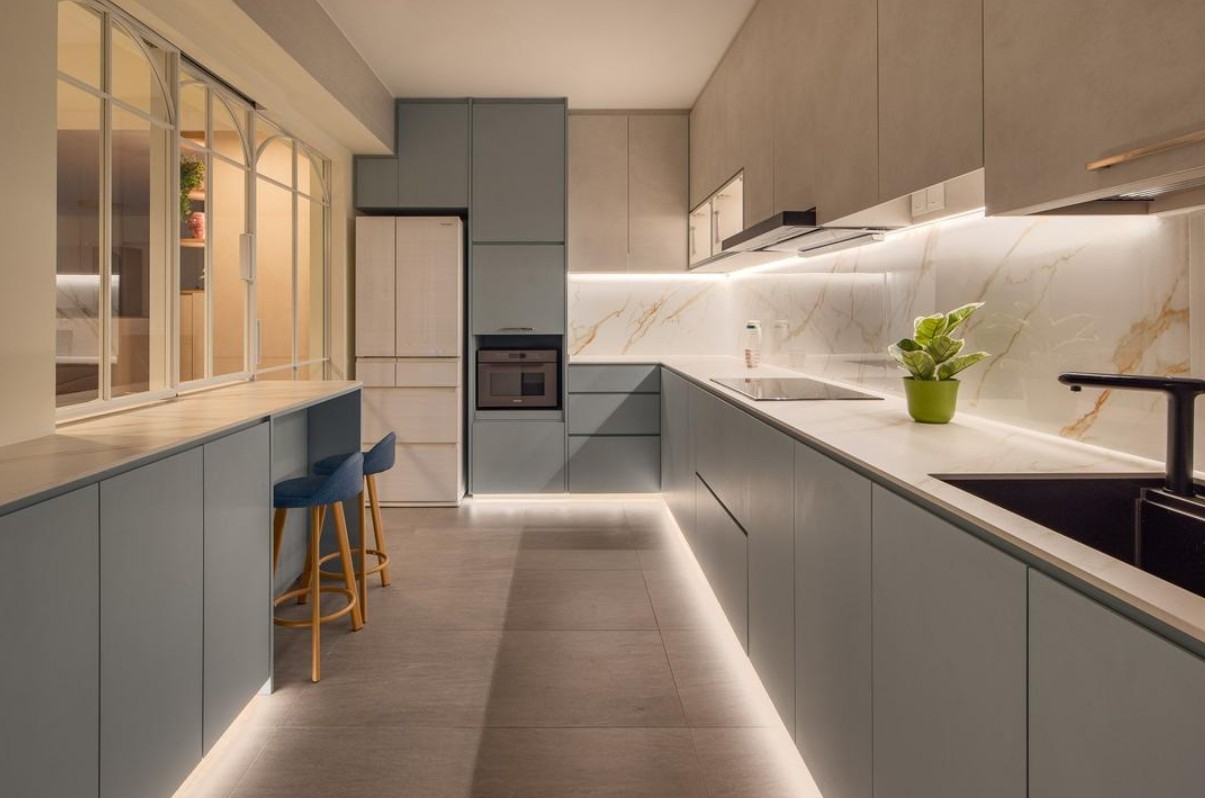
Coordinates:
192 177
932 356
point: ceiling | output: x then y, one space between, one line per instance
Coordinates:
598 53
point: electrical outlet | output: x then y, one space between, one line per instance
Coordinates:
919 201
935 198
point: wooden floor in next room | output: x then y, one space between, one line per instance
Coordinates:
525 648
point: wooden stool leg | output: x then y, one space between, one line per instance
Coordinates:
278 531
378 527
349 576
363 558
309 558
315 596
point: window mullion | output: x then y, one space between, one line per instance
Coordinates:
105 300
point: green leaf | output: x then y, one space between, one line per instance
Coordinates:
943 347
908 345
917 362
952 367
959 315
929 327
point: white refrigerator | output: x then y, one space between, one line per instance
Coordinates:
409 347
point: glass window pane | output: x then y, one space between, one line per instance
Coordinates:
312 371
280 375
142 157
309 175
229 129
311 279
192 110
77 279
274 274
79 43
135 80
275 154
192 303
228 215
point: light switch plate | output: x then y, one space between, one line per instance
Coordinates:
936 198
919 201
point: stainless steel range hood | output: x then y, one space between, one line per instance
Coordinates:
784 235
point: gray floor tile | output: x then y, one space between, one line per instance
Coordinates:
680 599
576 513
606 538
583 679
577 560
579 600
446 599
558 763
713 677
752 763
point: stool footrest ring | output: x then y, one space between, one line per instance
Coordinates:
381 564
350 595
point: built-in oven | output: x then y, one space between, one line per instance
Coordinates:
518 378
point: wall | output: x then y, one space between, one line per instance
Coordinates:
1062 294
27 220
642 315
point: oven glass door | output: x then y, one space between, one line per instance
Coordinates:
506 385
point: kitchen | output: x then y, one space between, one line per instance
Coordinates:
646 322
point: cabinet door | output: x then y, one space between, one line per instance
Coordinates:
793 43
720 444
598 192
657 185
51 656
706 142
723 551
614 463
750 95
430 276
518 289
518 457
433 154
416 415
677 451
614 379
376 183
376 286
424 472
771 467
833 726
238 575
930 92
847 106
518 171
1069 82
1114 710
151 626
949 659
614 414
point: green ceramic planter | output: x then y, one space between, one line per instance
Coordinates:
931 401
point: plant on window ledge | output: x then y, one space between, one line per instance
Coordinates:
932 356
192 177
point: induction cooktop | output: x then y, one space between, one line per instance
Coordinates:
788 389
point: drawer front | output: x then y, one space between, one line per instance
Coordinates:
375 373
615 414
417 415
614 464
423 473
615 379
428 373
518 457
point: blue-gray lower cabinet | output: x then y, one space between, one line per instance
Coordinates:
238 568
677 451
721 449
1114 710
614 378
614 463
722 549
833 727
949 636
614 413
771 529
48 609
151 626
518 289
518 457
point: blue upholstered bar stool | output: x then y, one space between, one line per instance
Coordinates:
317 494
377 460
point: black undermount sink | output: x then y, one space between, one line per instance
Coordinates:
1127 516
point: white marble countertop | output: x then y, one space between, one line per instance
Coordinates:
80 451
880 439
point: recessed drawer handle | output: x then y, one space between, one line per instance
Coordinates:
1150 149
516 329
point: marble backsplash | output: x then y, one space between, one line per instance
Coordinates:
1061 293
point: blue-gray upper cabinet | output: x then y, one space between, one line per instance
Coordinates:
518 171
376 182
48 610
152 537
238 568
677 451
833 641
949 637
518 290
1114 710
433 154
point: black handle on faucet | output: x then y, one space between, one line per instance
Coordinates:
1181 398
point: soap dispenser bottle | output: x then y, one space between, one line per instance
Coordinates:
752 343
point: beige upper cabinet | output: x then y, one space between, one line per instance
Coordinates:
930 92
598 192
1069 82
792 45
376 285
628 183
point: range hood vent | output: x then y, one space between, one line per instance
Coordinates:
784 235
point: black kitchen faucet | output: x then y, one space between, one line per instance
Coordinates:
1181 397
